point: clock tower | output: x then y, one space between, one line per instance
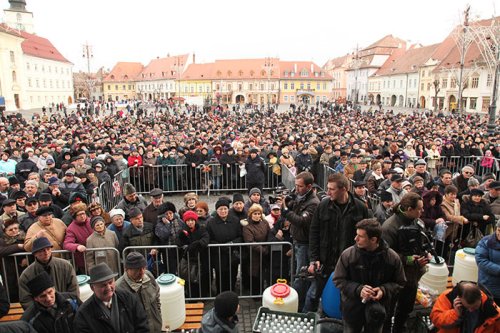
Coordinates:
17 17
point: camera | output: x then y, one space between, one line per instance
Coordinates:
304 273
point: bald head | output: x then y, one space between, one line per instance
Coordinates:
4 184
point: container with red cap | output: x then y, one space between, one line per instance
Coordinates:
281 297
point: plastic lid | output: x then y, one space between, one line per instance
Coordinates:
280 290
82 279
433 261
470 250
166 279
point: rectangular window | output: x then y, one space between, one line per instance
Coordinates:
29 83
116 87
109 87
200 89
28 67
453 83
473 102
285 86
445 83
129 87
292 98
124 87
486 104
324 86
475 82
428 86
489 79
12 57
400 83
250 86
292 86
262 86
192 89
285 98
301 86
230 87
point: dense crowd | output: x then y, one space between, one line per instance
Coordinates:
388 169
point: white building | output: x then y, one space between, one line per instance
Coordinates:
33 73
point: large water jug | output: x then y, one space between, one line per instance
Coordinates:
465 268
173 308
84 286
436 277
281 297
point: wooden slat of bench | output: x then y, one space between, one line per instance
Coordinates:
194 315
10 317
193 319
192 326
195 306
196 312
15 313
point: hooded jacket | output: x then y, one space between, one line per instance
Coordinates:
488 262
211 323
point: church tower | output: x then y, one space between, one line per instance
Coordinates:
17 17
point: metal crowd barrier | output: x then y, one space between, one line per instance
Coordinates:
209 178
110 193
222 267
14 264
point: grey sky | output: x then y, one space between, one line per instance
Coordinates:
127 30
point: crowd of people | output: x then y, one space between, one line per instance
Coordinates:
388 171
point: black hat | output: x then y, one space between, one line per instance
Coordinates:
40 283
94 220
165 207
226 304
156 192
8 202
135 260
19 194
495 185
13 180
44 197
30 200
134 212
77 196
254 150
359 184
238 197
476 191
222 202
396 178
385 196
40 244
101 273
44 211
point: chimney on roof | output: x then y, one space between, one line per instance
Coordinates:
157 57
194 58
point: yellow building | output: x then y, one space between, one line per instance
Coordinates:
303 82
195 85
120 83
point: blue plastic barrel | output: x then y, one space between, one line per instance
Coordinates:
330 299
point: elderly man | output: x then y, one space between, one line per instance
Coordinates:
69 185
138 280
58 198
9 211
131 200
139 233
461 181
51 311
29 218
396 189
421 170
109 309
60 270
150 213
31 189
493 198
46 226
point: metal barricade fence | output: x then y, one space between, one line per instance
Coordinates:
14 264
110 193
455 164
245 268
287 177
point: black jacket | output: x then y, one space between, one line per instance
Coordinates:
24 168
134 237
44 322
333 230
91 318
256 170
222 232
357 267
300 215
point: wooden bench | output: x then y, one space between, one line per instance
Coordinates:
15 313
194 313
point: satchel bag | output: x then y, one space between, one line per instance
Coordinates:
474 236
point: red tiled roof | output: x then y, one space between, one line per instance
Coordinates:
310 67
388 41
37 46
124 71
163 68
338 62
198 72
409 62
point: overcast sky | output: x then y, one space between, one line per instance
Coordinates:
131 30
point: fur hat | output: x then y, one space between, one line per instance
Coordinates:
79 207
189 196
128 189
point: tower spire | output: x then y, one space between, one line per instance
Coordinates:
18 5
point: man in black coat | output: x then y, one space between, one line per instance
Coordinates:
256 170
108 309
24 168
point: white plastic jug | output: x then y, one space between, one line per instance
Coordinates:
84 286
436 277
465 268
281 297
173 308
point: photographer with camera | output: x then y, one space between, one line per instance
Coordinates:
465 309
299 208
332 231
369 275
404 221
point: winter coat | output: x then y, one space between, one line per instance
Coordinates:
255 232
71 187
148 293
300 216
374 182
61 200
55 232
256 170
134 237
357 267
24 168
488 262
494 204
333 230
150 214
126 205
446 319
211 323
432 213
168 232
119 233
382 214
77 234
60 270
475 212
44 322
263 203
390 229
110 257
452 212
91 317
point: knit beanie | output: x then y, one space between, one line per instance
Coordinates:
226 304
128 189
238 197
189 215
40 283
254 190
222 202
94 220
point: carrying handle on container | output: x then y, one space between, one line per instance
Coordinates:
278 301
281 281
182 282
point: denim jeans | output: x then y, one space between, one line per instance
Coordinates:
301 254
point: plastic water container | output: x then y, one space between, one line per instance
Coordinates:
173 308
84 286
436 277
465 268
281 297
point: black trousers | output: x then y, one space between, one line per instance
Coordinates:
401 307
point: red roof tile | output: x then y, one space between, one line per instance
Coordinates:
124 71
409 62
163 68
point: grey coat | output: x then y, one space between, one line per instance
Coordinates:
210 323
62 274
149 295
96 240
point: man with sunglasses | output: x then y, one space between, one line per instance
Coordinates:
461 181
465 309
